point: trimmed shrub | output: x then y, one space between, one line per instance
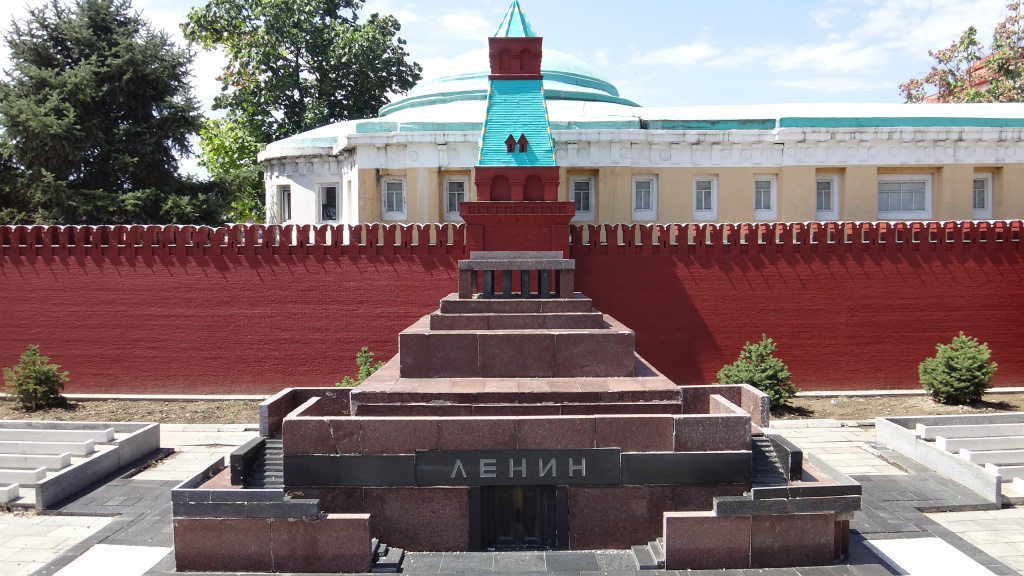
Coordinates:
364 360
959 373
756 366
34 382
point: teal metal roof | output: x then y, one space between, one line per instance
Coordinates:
516 107
515 24
565 78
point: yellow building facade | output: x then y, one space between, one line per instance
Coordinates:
623 163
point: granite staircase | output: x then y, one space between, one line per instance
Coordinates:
269 469
765 470
386 559
650 556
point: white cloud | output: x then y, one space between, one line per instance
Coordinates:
832 84
682 55
825 17
467 25
405 13
440 66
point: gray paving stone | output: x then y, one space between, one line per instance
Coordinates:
422 562
571 561
519 562
463 561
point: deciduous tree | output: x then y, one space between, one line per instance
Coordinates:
967 71
293 65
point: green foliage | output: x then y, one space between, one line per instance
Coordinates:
94 112
967 72
293 65
34 382
959 373
756 366
364 359
229 155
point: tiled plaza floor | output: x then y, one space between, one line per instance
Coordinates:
136 512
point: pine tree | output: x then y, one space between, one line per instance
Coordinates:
95 111
759 368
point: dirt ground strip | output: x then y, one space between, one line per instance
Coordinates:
245 412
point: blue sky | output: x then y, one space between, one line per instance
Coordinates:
675 52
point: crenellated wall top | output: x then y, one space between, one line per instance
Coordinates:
449 239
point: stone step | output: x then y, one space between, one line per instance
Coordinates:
955 445
993 456
657 550
542 321
970 430
23 477
30 435
9 492
765 469
605 353
33 461
268 472
644 558
372 409
451 304
1007 472
389 562
83 448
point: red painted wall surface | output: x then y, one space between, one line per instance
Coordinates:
188 310
858 309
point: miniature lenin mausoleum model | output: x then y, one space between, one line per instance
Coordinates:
515 417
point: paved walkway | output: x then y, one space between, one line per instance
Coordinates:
124 525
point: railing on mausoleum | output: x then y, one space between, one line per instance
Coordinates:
450 239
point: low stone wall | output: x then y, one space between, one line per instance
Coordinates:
305 431
234 530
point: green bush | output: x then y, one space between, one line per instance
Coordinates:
756 366
364 360
959 373
34 382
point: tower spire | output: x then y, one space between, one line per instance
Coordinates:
515 24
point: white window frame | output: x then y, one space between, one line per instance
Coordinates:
772 212
641 213
584 215
284 203
320 203
706 214
925 214
832 214
450 216
986 212
394 214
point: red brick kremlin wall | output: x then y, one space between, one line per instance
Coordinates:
252 310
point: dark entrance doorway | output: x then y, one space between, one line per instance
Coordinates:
518 517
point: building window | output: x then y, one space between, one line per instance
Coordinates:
904 196
581 190
393 199
826 197
765 197
284 203
982 196
645 198
705 198
455 191
327 198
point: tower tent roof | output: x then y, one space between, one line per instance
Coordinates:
515 24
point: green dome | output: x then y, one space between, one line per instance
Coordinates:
565 78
